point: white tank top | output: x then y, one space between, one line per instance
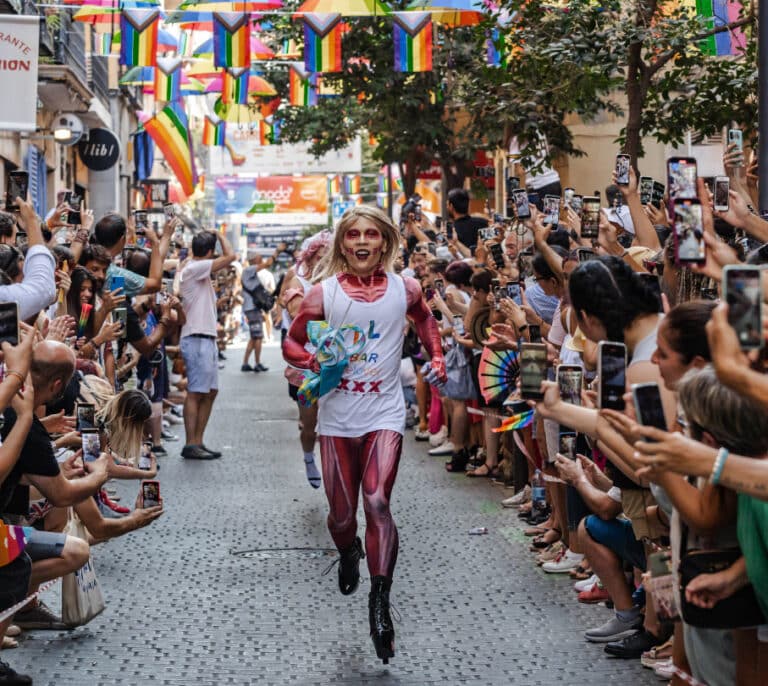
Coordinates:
370 396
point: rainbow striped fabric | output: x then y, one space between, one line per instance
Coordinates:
303 86
168 79
352 184
102 44
231 39
234 88
722 12
214 130
13 540
322 42
412 35
265 133
516 421
169 129
334 186
138 37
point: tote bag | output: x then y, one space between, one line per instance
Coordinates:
81 598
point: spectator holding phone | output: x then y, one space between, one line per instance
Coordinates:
465 226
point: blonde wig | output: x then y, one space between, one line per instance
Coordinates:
123 418
334 261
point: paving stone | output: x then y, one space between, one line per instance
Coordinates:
183 610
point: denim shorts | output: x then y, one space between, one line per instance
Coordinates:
42 545
617 535
14 581
201 359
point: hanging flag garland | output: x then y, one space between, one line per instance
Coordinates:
231 39
322 42
234 89
303 86
214 131
138 42
412 35
168 79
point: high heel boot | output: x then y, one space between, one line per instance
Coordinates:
349 567
382 630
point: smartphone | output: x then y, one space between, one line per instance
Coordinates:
514 293
567 444
438 222
458 324
150 494
688 232
91 445
568 195
448 230
646 190
499 293
16 187
534 333
681 178
522 208
183 253
432 249
743 291
497 253
141 221
657 197
169 211
612 375
22 239
722 187
570 379
145 458
648 407
440 287
497 218
533 370
120 314
429 293
9 323
585 254
590 217
487 233
736 137
116 282
74 216
533 199
86 416
552 210
622 169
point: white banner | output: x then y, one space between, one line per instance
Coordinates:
287 158
19 37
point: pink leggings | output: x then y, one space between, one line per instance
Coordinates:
371 461
435 411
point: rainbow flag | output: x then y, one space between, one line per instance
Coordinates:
85 315
516 421
352 184
303 86
382 182
322 42
231 39
138 37
234 89
412 35
169 129
214 130
168 79
334 186
265 133
102 44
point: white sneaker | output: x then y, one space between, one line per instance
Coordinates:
172 418
586 584
518 499
420 435
439 438
444 449
614 630
565 563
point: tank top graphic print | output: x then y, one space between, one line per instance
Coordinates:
370 395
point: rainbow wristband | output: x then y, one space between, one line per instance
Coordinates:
717 468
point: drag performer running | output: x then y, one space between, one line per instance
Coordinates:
361 422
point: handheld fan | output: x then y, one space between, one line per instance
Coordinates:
12 543
497 373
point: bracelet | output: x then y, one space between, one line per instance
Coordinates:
717 468
11 372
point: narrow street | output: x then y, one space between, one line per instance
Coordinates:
227 587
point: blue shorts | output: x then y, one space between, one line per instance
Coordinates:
42 545
617 536
201 358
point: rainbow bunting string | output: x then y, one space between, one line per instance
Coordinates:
303 86
169 129
322 42
214 131
412 35
138 37
234 89
231 40
516 421
352 184
168 79
334 186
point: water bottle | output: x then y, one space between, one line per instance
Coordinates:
478 531
538 493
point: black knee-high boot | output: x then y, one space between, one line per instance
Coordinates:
349 567
382 630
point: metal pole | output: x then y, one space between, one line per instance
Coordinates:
762 113
390 194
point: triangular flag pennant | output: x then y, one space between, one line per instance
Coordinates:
168 79
138 37
303 86
231 39
265 133
322 42
214 130
412 35
169 130
234 86
352 184
102 44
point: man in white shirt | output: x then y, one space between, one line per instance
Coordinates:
198 338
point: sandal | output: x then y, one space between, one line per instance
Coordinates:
582 571
541 542
488 473
535 531
458 462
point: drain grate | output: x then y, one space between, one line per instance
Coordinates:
285 553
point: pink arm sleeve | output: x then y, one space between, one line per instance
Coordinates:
426 325
293 346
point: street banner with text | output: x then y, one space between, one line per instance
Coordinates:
19 38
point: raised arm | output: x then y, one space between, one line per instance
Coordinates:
293 346
425 324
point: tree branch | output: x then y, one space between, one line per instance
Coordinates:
662 59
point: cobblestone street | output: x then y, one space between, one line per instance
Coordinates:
227 587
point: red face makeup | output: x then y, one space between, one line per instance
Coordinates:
363 245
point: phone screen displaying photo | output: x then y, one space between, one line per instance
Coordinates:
86 416
744 293
722 186
552 209
18 183
689 232
533 370
681 175
646 190
567 445
522 210
622 169
91 445
590 217
150 491
569 380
